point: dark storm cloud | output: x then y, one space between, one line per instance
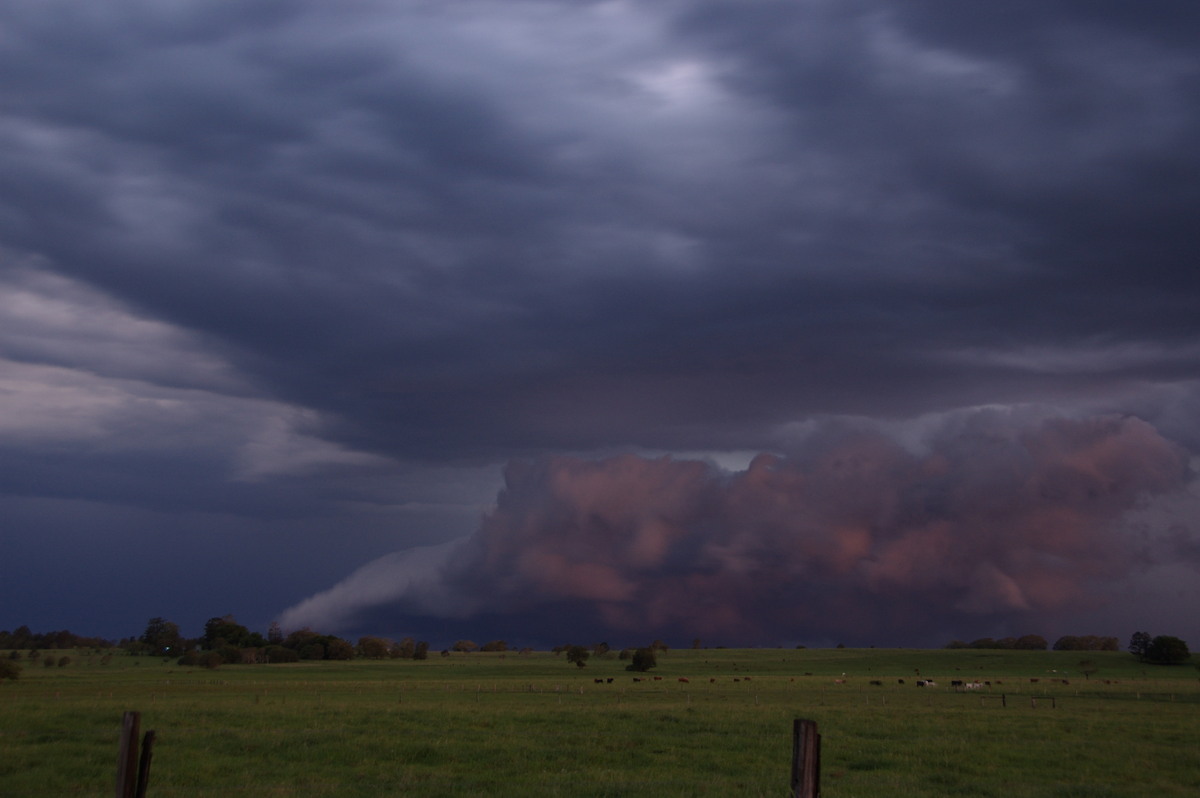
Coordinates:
995 520
267 259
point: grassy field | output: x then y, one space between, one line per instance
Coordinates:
532 725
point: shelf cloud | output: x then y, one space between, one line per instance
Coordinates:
991 520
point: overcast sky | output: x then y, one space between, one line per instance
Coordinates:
765 322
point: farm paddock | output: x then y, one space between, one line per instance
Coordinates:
714 722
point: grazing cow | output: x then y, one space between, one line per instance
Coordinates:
747 678
608 680
839 681
683 679
1033 681
598 681
658 678
956 683
877 683
900 681
713 680
637 678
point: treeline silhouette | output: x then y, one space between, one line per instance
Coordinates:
23 638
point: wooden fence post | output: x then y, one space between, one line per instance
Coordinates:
806 759
133 773
127 756
143 776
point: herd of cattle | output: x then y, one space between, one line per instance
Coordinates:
959 685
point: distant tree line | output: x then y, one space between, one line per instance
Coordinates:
226 642
23 638
1160 650
1024 643
639 659
1087 643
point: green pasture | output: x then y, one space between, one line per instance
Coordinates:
533 725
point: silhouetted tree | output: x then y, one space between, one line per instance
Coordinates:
373 647
421 650
643 659
337 648
226 631
1167 650
161 637
578 654
1139 644
465 646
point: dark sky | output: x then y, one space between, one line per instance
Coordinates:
764 322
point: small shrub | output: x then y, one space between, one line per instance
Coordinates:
64 662
9 669
211 660
190 660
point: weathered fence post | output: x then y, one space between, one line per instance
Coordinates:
806 759
127 755
133 773
143 776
